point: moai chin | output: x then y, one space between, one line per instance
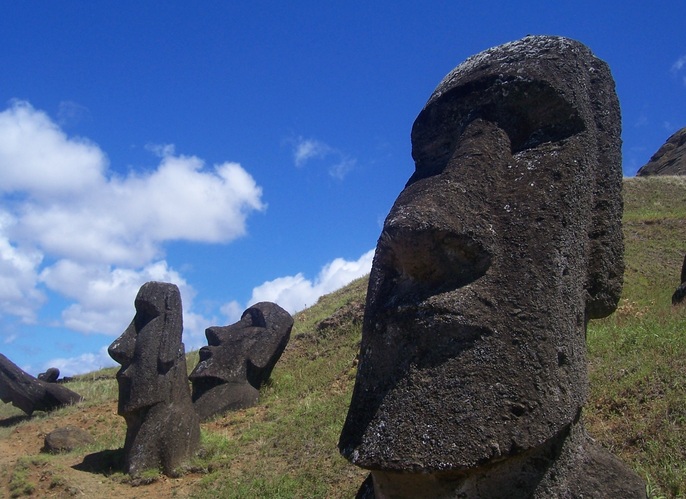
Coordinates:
505 241
162 428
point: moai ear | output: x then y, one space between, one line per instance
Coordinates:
169 352
606 260
171 348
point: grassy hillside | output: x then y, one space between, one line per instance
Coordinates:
638 355
286 446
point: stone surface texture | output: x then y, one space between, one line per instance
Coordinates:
66 439
50 375
670 159
505 241
238 359
31 394
163 430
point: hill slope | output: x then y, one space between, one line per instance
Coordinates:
286 446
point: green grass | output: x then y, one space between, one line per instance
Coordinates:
637 356
21 484
657 197
637 407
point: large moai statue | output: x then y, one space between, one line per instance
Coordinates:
238 359
505 241
162 428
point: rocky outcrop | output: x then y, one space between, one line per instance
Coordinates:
66 440
351 313
162 428
238 359
670 159
30 394
506 239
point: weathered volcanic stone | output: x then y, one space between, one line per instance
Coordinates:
505 241
162 428
50 375
238 359
66 440
30 394
670 159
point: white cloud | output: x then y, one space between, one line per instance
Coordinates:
679 64
104 296
70 113
194 326
232 311
342 168
126 220
641 121
161 150
306 150
84 363
18 277
94 237
295 293
69 208
38 158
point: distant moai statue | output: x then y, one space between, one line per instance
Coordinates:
505 241
162 428
238 359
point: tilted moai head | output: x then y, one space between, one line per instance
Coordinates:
239 358
154 398
504 242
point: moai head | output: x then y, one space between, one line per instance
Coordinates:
504 242
239 358
149 348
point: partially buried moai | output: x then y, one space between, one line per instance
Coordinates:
162 428
238 359
505 241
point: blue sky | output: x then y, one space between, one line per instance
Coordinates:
244 150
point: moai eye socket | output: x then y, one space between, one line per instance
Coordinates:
531 112
428 262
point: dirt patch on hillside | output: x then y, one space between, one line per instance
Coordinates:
26 471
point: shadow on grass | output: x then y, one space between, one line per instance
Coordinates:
105 462
13 420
